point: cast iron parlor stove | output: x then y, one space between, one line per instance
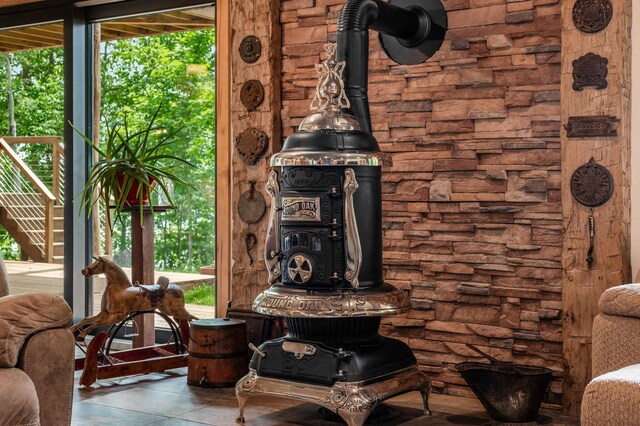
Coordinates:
324 243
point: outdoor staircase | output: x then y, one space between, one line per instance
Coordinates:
28 229
29 210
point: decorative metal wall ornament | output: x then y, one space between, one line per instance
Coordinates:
590 70
251 205
591 16
251 144
591 184
591 126
250 242
252 94
592 235
250 49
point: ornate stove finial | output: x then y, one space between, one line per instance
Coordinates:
330 88
330 98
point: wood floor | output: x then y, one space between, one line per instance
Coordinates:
166 399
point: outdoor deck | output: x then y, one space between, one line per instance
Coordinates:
33 277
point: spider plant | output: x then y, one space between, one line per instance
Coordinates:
132 163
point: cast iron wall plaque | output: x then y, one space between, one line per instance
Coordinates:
251 205
592 16
252 94
591 184
251 144
250 49
591 126
590 70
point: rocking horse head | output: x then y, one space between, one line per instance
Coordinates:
113 272
96 267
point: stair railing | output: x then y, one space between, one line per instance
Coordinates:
19 190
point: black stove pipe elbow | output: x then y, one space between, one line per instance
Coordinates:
410 27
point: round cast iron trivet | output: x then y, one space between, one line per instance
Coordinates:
250 49
591 184
252 94
251 144
591 16
251 205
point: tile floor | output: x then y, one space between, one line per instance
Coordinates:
166 399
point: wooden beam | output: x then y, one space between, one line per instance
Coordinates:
582 286
32 139
261 19
224 137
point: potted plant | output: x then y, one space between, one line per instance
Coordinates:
132 163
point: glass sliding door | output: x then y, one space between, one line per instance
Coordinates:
31 157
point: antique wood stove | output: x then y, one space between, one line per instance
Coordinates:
324 243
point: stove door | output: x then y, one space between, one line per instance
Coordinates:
297 361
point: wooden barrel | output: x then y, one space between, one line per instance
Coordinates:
217 352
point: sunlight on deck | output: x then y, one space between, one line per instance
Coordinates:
34 277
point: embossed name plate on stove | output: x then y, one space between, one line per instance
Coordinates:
301 208
591 126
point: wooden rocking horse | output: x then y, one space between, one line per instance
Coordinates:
122 301
121 298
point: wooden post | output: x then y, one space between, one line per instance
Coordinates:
260 18
582 287
142 269
56 154
48 229
97 37
224 145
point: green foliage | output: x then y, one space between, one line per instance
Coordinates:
201 295
139 74
175 70
131 159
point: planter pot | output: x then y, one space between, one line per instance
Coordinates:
509 393
132 197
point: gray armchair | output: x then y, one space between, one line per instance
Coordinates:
612 398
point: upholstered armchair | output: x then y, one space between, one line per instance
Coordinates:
36 358
613 396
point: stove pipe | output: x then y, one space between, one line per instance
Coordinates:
410 32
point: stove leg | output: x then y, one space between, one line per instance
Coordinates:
355 419
242 401
425 391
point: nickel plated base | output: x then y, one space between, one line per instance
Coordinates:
352 401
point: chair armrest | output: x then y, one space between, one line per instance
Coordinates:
616 343
23 315
48 358
623 300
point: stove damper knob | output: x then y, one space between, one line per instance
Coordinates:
300 269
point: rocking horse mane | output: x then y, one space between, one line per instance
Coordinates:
114 273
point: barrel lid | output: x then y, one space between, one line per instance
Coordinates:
216 322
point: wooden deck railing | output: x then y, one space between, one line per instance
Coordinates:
21 201
57 156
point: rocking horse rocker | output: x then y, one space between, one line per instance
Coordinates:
121 302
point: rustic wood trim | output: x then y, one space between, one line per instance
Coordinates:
260 18
224 218
582 287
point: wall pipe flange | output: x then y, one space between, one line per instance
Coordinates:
433 28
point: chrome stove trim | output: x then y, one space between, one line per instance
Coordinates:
330 158
352 401
353 246
272 241
377 301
